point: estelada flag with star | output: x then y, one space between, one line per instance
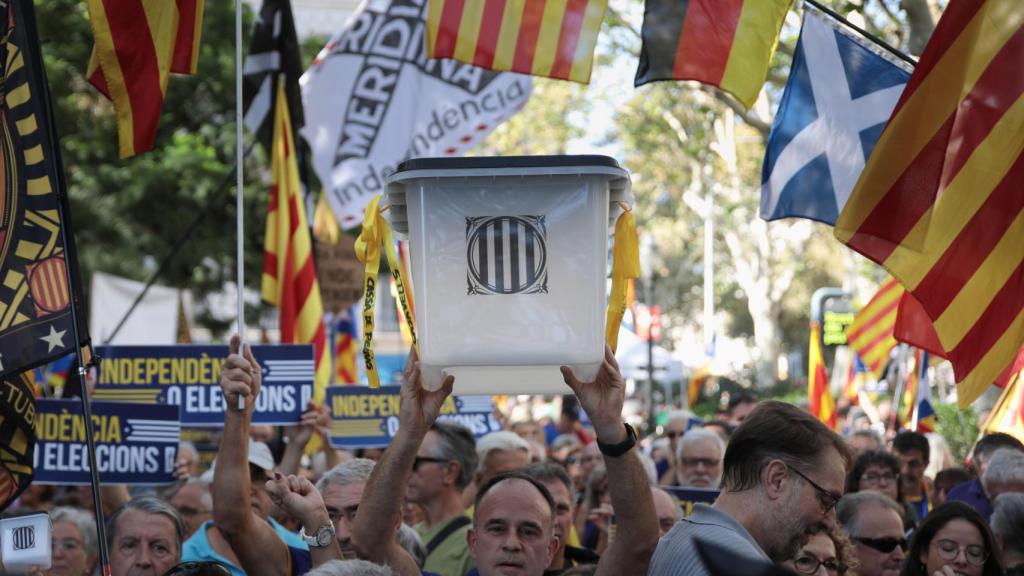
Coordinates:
35 250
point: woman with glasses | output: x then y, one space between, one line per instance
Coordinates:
880 472
825 554
75 548
952 540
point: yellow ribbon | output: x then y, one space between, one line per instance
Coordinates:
377 233
625 265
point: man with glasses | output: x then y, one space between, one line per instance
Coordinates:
783 473
699 459
195 504
444 465
874 523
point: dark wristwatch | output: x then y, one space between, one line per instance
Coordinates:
323 537
616 450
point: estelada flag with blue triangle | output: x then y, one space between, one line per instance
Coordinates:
841 90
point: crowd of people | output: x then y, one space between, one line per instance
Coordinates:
771 490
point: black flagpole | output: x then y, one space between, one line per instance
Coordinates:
57 170
894 51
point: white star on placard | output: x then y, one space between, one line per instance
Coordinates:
54 339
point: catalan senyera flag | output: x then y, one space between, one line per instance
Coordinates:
939 202
138 43
822 405
552 38
871 333
724 43
289 276
696 382
1008 414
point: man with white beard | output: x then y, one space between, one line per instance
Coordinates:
699 459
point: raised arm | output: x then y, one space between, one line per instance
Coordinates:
298 497
380 512
637 534
253 540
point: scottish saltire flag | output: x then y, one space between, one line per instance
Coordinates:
840 93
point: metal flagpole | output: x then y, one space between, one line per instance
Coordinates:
239 171
57 170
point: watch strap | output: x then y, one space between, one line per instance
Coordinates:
616 450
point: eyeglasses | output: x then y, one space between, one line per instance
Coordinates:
827 499
876 479
883 545
950 549
420 460
673 434
191 512
694 462
67 545
808 564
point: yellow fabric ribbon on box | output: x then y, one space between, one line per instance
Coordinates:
377 233
625 265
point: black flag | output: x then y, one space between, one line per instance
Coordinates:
35 296
274 50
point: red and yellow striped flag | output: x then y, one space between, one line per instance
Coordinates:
138 43
724 43
553 38
939 203
822 405
289 277
1008 414
871 334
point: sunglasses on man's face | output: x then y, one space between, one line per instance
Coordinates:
420 460
883 545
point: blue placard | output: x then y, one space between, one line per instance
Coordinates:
364 417
189 376
689 496
135 443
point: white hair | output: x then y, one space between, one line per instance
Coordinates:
700 435
1006 466
502 440
84 521
350 568
351 472
677 415
1008 520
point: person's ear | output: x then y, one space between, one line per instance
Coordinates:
553 544
471 542
774 477
477 478
452 471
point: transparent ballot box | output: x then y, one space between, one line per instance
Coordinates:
510 261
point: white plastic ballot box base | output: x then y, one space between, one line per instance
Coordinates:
509 262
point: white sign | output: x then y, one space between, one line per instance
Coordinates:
373 99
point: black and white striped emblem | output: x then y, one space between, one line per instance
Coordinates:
23 537
506 255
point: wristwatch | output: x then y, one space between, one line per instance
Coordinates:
323 537
616 450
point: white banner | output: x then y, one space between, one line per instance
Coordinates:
373 99
154 321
